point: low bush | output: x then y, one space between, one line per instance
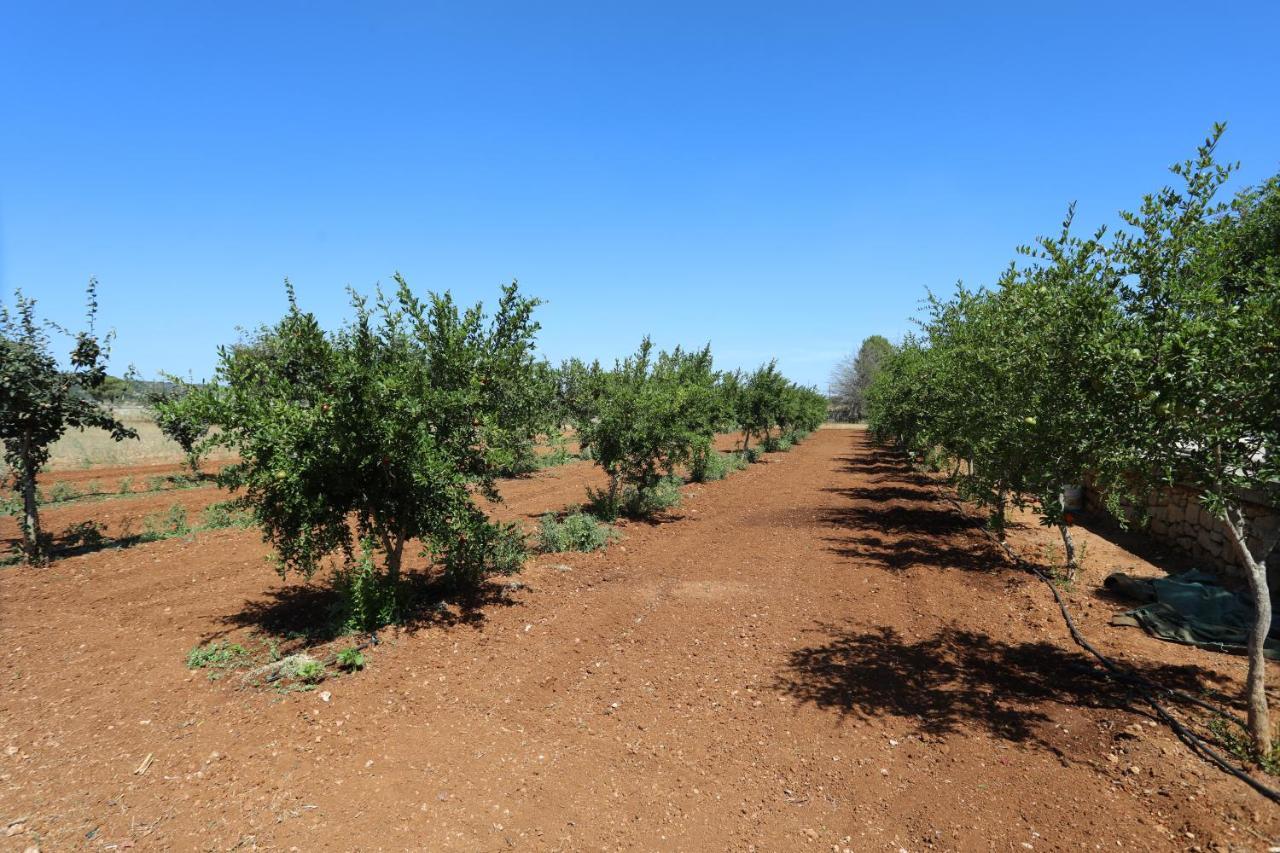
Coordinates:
368 599
777 444
62 491
225 514
575 532
714 465
162 526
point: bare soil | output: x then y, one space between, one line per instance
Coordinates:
817 653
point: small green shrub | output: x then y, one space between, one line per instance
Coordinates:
777 444
171 523
644 502
218 657
225 514
715 465
485 549
309 672
753 454
368 598
126 485
62 491
157 483
351 659
576 532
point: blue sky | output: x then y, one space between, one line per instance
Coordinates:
778 179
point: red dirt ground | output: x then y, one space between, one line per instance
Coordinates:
816 653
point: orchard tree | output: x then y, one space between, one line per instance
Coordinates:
380 434
854 375
183 417
39 401
760 402
1202 289
651 414
1061 326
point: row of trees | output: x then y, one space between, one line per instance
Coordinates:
1135 360
655 412
352 444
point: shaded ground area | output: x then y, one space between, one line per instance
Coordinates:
813 654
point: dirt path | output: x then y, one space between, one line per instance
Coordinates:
816 654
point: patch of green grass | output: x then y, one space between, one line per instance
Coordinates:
218 657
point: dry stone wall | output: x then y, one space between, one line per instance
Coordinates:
1177 518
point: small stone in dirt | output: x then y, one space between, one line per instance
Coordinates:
325 695
560 567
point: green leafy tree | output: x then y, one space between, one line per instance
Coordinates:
854 375
183 417
1202 291
650 415
759 402
380 433
39 401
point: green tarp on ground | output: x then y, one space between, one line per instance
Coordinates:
1191 608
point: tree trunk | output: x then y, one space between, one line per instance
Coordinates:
1256 683
997 517
395 554
32 540
1069 545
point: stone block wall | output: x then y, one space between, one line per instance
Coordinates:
1177 518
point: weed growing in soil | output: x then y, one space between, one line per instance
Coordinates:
576 532
126 485
367 598
634 502
777 444
171 523
1236 741
225 514
62 491
714 465
310 672
218 658
351 659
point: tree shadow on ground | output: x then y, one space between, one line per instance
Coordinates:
937 520
310 613
900 490
875 465
902 553
959 680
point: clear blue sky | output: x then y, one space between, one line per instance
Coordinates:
779 179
